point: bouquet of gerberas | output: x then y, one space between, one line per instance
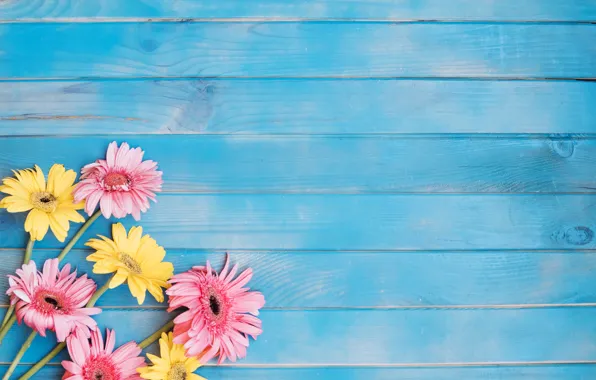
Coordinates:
219 312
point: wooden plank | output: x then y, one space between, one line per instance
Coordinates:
295 49
542 372
472 10
405 279
355 222
337 164
369 337
296 106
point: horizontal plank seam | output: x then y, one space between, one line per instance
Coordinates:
251 19
545 136
396 307
272 251
386 365
300 78
273 77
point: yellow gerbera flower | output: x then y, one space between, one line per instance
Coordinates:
172 365
52 204
135 258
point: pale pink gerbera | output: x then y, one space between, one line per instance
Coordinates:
96 361
221 313
122 183
53 299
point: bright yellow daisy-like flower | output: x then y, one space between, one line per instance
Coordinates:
172 365
50 205
135 258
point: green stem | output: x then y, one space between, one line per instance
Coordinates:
156 335
9 323
40 364
20 354
98 293
28 250
26 259
78 235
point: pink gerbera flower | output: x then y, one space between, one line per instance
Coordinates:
122 183
52 299
96 361
221 313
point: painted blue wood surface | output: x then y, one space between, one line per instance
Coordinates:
338 163
320 279
320 106
389 211
383 337
355 222
542 372
293 49
479 10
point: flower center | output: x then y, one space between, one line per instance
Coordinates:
214 305
130 263
177 372
99 368
47 302
44 201
116 181
53 302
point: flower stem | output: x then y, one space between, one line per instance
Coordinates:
26 259
98 293
20 354
9 323
78 235
40 364
28 250
60 346
155 336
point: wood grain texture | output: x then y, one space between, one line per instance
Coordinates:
472 10
337 164
297 50
542 372
369 337
235 106
355 222
404 279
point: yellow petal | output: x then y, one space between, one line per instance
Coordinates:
118 279
137 288
192 364
119 236
54 177
15 204
14 187
194 376
164 349
70 214
37 224
59 231
40 179
104 244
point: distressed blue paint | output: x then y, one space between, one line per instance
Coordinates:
82 50
369 337
465 10
321 106
542 372
360 276
312 279
361 222
338 164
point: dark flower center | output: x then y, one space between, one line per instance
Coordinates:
52 301
177 372
214 305
44 201
130 263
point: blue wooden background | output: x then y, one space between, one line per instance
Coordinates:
413 181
